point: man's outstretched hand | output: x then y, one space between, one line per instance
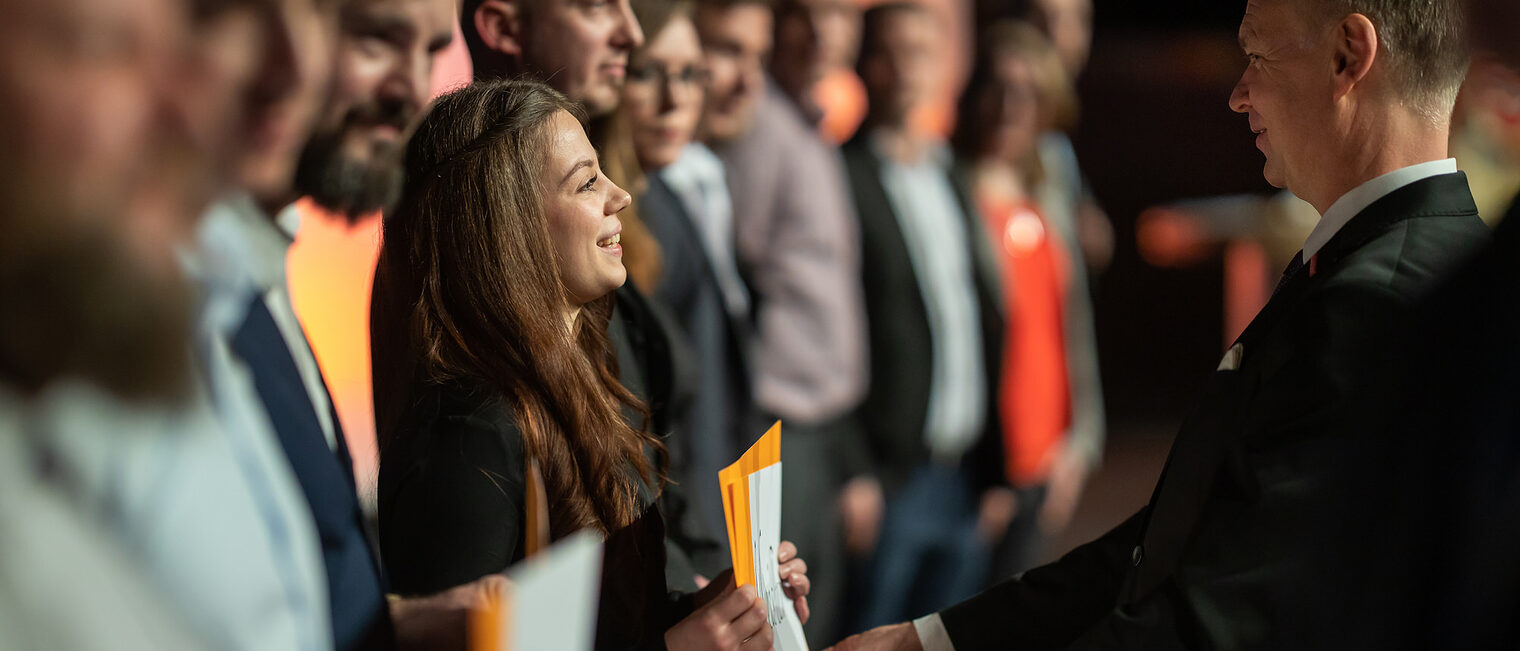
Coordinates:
896 637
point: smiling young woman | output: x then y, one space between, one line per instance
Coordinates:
493 297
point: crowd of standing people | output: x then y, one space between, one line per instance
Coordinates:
624 249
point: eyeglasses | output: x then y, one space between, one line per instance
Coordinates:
655 74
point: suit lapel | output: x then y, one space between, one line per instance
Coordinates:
1194 461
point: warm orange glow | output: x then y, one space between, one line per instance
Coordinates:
331 269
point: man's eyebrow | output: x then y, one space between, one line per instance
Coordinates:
392 24
584 162
1245 35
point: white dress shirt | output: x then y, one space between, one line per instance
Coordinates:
934 228
175 487
697 178
66 582
1358 199
254 249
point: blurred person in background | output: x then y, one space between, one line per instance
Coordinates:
350 82
114 119
935 334
736 41
1049 397
1069 26
813 38
503 255
1350 103
798 247
1070 201
687 209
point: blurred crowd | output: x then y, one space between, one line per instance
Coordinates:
647 230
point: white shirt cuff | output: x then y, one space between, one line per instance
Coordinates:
932 634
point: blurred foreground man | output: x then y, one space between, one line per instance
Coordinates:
124 522
1245 543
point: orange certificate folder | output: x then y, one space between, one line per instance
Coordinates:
733 481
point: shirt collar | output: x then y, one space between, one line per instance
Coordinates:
697 165
1354 202
935 154
245 245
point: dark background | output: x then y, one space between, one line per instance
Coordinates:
1156 127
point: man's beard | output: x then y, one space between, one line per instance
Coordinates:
349 187
83 307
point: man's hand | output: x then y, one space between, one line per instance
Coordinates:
997 510
860 508
897 637
732 621
441 621
1064 491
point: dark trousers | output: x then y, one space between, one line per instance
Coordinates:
929 555
810 519
1020 547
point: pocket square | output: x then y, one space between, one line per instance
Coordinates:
1232 357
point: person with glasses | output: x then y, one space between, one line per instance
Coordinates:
687 209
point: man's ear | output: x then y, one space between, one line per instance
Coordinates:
499 24
1356 48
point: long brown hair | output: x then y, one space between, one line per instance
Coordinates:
1056 98
469 288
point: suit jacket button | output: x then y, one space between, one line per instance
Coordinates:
1137 555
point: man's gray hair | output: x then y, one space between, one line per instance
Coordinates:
1425 42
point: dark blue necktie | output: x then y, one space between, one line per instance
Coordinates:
262 347
355 590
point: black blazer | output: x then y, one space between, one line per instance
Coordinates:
1249 540
452 490
897 400
1459 430
718 423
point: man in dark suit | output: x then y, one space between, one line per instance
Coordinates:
1244 543
935 328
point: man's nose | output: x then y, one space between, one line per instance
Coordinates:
1240 98
406 81
629 33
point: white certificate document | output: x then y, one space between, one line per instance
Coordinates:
555 596
765 534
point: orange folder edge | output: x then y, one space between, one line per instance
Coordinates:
734 483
